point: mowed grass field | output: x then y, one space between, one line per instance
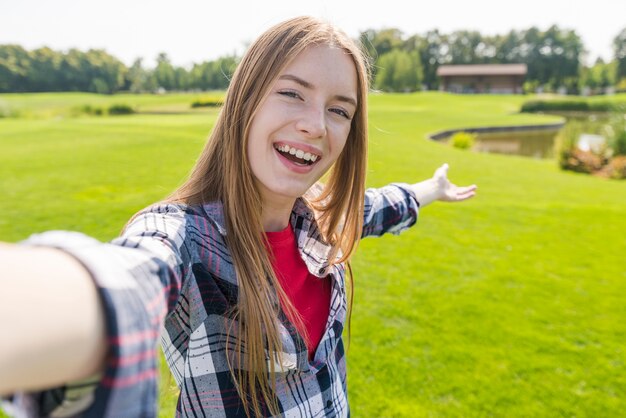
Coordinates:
508 305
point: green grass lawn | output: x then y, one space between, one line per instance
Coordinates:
508 305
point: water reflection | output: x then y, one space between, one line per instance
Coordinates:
530 141
537 143
588 131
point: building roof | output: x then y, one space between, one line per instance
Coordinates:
482 69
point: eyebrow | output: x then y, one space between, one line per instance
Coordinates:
308 85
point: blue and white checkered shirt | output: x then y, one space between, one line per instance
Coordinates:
170 276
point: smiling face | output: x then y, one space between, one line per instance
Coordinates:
301 127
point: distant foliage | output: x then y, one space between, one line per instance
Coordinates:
44 69
463 140
581 161
553 56
399 62
207 103
399 71
617 167
619 142
568 106
96 71
120 109
114 110
619 51
90 110
607 160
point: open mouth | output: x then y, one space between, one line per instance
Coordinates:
296 155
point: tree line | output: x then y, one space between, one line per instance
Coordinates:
399 63
554 58
97 71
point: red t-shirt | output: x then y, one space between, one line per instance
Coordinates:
309 294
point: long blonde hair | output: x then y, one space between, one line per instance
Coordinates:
222 173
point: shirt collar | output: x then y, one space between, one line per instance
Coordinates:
311 244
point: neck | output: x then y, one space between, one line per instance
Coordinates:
275 215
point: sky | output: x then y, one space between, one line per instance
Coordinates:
192 31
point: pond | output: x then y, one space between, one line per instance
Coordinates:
590 131
531 141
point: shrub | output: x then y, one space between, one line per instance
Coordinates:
617 167
581 161
463 140
89 110
207 103
121 109
619 143
567 106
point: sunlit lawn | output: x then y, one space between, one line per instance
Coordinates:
510 305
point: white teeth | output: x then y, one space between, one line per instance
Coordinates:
307 156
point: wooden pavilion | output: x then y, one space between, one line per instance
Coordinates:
483 78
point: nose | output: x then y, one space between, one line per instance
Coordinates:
312 123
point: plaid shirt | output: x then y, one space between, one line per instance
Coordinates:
170 276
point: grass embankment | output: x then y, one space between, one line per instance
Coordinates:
506 305
59 105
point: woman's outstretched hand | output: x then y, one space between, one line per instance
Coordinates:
440 188
449 192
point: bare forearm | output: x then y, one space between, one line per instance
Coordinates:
51 319
426 192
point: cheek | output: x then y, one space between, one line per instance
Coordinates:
340 142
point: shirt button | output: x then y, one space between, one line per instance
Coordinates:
329 404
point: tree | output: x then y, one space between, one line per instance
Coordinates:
44 70
14 68
399 71
598 77
137 78
432 50
164 72
107 73
379 43
465 47
619 52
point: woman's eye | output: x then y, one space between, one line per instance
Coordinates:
340 112
289 93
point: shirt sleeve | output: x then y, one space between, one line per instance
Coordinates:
139 278
390 209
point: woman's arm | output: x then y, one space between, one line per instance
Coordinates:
440 188
137 279
51 317
394 208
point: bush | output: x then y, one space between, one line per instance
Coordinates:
121 109
89 110
463 140
207 103
567 106
581 161
617 167
619 143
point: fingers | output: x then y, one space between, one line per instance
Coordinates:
463 193
442 171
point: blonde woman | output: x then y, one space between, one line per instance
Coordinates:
240 272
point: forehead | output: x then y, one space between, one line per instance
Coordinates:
325 67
